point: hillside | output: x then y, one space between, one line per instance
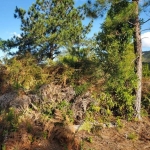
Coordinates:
146 56
43 121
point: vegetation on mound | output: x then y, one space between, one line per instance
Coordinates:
59 83
51 122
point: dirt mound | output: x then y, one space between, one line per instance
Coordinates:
26 127
45 135
32 131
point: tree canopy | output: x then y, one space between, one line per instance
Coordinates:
47 27
126 15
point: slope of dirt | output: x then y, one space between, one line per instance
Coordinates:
131 136
26 127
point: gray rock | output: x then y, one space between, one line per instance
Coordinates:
48 94
6 98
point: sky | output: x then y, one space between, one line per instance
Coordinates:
10 26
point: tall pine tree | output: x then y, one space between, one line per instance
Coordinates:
97 9
48 26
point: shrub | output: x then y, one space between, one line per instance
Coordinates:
25 72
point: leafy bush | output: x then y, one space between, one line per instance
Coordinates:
120 82
24 72
146 70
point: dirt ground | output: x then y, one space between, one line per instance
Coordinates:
133 135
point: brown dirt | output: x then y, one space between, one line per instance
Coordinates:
133 135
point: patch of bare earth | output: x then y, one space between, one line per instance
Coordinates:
37 135
131 136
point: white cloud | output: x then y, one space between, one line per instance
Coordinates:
146 39
15 34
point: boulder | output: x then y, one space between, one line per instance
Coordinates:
48 94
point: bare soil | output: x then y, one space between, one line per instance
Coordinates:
133 135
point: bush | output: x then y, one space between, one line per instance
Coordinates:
24 72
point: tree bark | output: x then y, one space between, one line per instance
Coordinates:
138 62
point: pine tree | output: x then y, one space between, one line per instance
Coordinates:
97 10
116 57
47 27
138 61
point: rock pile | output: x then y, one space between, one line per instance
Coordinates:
49 93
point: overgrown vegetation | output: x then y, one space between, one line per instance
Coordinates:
103 67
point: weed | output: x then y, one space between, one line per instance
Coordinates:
3 147
82 145
31 138
12 120
119 123
45 135
132 136
80 89
87 126
89 139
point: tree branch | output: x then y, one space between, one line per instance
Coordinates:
145 30
146 21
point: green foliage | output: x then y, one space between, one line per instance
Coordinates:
79 66
29 127
122 84
80 89
89 139
31 138
122 27
67 113
25 73
119 123
11 119
116 56
146 56
45 135
95 108
103 105
49 107
47 27
145 97
3 147
132 136
1 43
87 126
146 70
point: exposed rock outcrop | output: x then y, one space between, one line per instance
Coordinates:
48 94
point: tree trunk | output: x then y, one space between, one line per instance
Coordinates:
138 62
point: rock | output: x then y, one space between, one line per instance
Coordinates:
46 95
80 106
6 98
20 102
56 93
